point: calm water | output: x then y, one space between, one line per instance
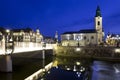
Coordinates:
82 69
105 71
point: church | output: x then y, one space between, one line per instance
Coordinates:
85 37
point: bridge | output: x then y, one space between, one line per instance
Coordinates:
26 47
21 49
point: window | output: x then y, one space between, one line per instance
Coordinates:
98 22
92 37
84 37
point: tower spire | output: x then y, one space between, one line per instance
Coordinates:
98 13
56 36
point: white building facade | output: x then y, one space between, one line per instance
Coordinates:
87 36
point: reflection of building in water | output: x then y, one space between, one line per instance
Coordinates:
113 39
79 70
86 36
71 64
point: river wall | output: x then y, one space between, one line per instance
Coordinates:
98 51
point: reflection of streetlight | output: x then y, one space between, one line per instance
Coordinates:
82 69
78 63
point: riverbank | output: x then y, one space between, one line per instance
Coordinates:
95 53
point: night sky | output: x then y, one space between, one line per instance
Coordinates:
59 15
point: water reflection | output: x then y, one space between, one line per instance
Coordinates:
82 69
5 76
24 67
64 69
68 69
105 71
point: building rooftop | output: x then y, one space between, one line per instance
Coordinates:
25 30
88 31
82 31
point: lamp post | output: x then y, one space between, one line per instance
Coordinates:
9 43
43 50
6 62
78 39
117 40
68 38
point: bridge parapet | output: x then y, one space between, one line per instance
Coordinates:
27 47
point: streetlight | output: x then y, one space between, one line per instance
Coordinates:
43 50
68 38
7 30
78 39
9 43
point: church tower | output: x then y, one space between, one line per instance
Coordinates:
37 31
98 25
56 36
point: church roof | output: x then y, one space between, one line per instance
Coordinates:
82 31
88 31
70 32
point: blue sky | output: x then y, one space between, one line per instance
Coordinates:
59 15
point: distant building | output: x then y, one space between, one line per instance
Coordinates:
48 39
113 39
27 35
24 35
86 36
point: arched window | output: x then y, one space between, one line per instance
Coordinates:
98 22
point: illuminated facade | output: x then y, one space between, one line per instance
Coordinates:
48 39
87 36
24 35
27 35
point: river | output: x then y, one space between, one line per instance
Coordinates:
64 69
82 69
